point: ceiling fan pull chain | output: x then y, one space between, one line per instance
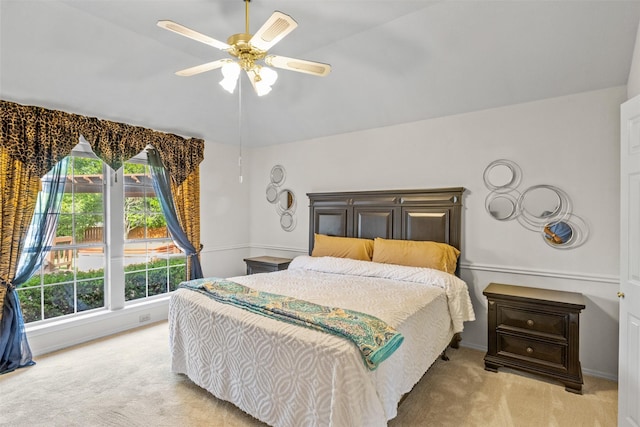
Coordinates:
240 126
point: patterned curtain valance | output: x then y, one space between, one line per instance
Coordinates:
40 137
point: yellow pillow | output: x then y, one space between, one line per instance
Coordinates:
416 254
342 247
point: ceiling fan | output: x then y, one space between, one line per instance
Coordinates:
251 51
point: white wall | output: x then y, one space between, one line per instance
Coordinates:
571 142
224 211
633 85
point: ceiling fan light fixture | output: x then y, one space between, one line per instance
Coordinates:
268 75
230 73
260 85
249 49
264 78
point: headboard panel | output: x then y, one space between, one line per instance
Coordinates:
431 214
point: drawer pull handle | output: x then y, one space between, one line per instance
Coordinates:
530 322
529 350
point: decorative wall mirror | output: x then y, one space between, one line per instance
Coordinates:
287 221
502 207
541 201
284 200
558 233
278 175
543 204
541 208
272 193
568 233
502 175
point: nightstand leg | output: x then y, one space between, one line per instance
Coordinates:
573 387
492 367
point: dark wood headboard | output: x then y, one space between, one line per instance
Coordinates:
432 214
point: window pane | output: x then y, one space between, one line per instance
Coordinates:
94 233
134 168
61 255
90 294
30 301
135 285
59 299
90 200
152 267
90 262
135 256
153 205
66 206
86 227
177 273
157 281
157 227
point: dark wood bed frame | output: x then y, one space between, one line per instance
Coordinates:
431 214
434 214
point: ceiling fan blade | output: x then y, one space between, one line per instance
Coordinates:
275 29
194 35
299 65
187 72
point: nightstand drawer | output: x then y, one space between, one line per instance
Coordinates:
257 268
527 320
266 264
533 351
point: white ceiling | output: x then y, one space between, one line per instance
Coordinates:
393 61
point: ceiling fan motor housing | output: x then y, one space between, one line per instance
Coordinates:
244 51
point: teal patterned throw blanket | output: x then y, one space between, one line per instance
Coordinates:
374 338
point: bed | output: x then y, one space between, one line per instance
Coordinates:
289 375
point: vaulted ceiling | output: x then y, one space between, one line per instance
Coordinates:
393 61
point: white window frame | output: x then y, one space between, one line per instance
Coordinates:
117 314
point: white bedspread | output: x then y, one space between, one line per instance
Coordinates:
287 375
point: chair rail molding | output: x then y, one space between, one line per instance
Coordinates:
525 271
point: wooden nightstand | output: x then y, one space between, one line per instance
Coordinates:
535 330
266 264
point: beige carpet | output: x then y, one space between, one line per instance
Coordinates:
125 381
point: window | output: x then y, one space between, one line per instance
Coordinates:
111 244
153 264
